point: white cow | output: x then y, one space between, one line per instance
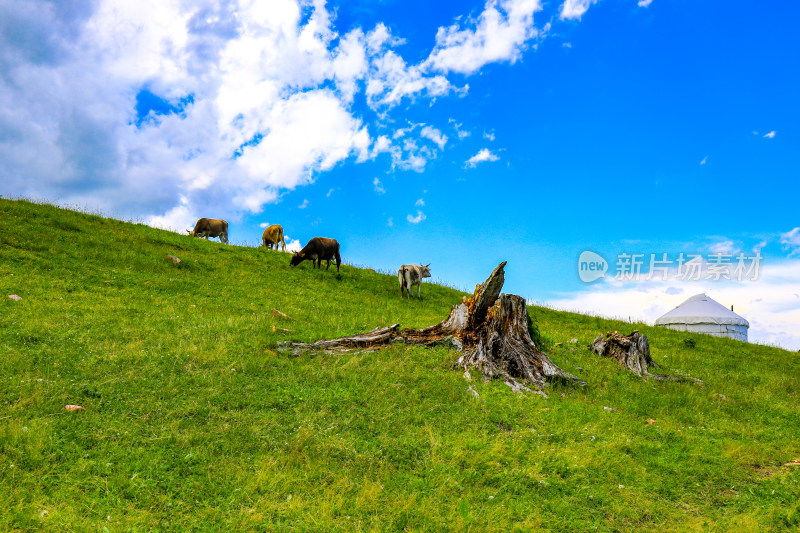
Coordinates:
410 275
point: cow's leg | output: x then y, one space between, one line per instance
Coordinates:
338 260
419 288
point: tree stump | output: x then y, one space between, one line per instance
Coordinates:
632 352
491 329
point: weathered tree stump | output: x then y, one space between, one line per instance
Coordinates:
491 329
632 352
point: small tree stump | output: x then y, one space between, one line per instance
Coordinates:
491 329
632 352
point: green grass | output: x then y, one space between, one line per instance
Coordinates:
194 421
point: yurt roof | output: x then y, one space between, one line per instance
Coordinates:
700 309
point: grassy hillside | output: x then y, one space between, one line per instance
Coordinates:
193 420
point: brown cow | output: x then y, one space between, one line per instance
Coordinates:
272 236
317 250
211 227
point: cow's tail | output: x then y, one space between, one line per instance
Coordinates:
402 275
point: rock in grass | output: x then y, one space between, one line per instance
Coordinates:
609 409
172 258
72 407
15 297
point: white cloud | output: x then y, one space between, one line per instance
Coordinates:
305 204
376 183
390 222
489 136
416 219
574 9
770 135
390 78
263 225
758 247
420 203
704 161
461 134
381 144
242 82
724 248
484 155
645 3
791 241
308 133
429 132
500 33
253 99
176 219
408 155
771 304
292 245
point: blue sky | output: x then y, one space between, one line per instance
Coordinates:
458 134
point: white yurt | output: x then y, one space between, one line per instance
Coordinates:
701 314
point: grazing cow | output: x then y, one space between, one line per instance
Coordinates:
272 236
211 227
317 250
410 275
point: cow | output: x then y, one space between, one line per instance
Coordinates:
211 227
410 275
317 250
272 236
